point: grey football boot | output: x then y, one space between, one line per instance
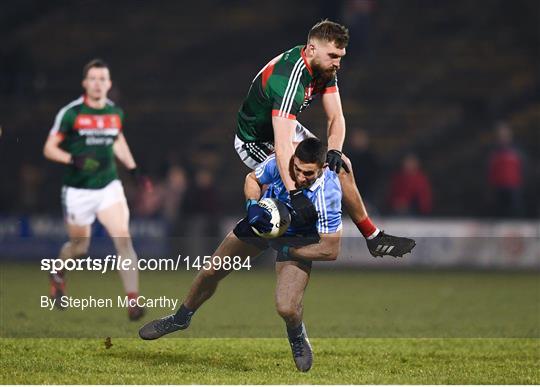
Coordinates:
301 351
163 326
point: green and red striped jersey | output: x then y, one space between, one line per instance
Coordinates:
284 87
92 132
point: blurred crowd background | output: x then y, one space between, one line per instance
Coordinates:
441 98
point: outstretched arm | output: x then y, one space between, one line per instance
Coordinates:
335 120
283 144
284 129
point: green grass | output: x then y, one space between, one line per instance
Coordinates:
268 361
366 327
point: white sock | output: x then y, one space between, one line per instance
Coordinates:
375 233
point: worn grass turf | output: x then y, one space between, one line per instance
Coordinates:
366 327
337 304
268 361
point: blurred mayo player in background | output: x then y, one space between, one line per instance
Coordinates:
267 123
86 137
297 248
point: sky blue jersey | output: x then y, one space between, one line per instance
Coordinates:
324 193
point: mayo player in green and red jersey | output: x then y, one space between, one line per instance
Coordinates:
87 136
267 123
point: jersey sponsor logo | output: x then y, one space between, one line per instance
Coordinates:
98 132
98 122
98 129
101 141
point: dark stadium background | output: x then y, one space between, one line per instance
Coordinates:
434 78
429 77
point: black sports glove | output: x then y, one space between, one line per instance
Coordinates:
335 162
142 180
245 233
305 211
85 163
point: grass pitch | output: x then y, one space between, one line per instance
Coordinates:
268 361
374 327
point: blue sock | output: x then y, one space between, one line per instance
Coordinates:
183 315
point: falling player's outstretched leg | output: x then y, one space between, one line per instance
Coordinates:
379 243
203 287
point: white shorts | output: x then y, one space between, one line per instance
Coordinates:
255 153
81 205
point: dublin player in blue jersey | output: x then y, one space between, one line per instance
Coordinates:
297 248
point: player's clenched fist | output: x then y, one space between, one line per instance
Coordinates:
335 162
85 163
303 207
142 180
258 217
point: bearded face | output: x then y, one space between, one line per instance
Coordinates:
323 74
325 61
320 70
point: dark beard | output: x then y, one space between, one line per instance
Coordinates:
322 76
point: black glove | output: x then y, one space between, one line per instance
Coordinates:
85 163
245 233
335 162
303 208
142 180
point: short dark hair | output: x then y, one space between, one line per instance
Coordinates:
311 150
329 31
98 63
